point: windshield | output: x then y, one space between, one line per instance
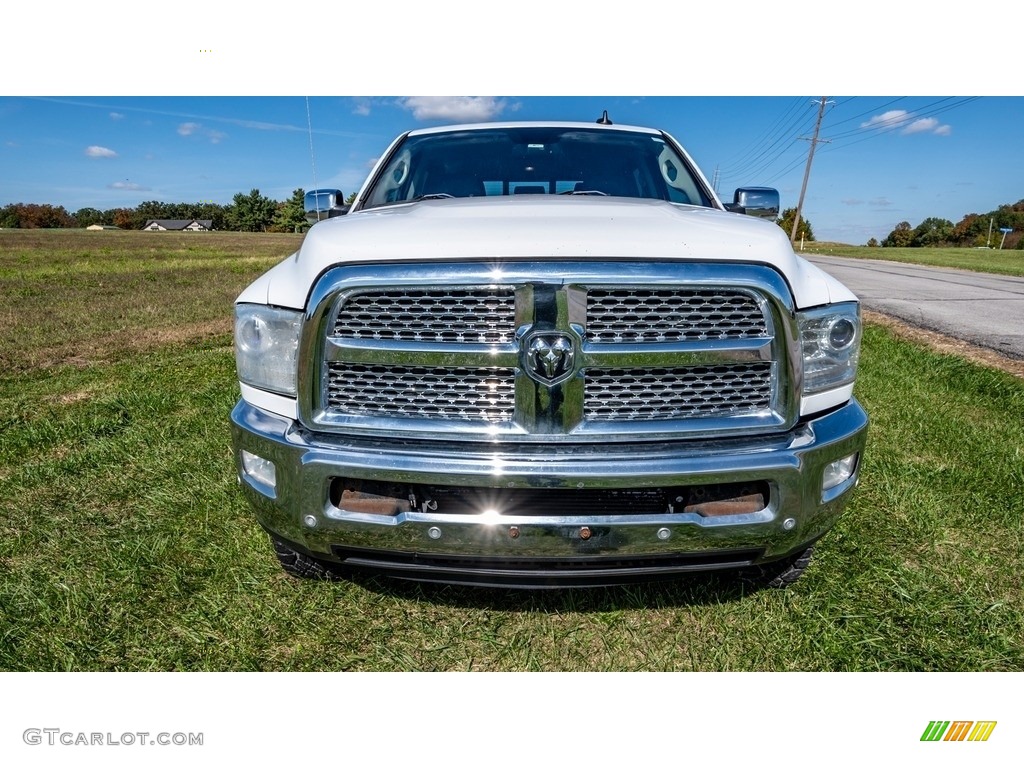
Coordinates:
535 161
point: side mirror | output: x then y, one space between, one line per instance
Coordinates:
324 204
762 202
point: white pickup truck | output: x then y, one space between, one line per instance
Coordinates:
546 355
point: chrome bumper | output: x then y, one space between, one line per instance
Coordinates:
494 548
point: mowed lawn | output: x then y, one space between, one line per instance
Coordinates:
994 260
126 545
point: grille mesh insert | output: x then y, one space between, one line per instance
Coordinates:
477 315
640 315
475 394
646 394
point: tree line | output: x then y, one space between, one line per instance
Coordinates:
975 230
252 212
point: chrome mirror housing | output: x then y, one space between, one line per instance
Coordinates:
762 202
324 204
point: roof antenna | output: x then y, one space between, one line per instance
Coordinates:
312 157
604 120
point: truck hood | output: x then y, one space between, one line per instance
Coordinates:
540 228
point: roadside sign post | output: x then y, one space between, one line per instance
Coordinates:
1005 231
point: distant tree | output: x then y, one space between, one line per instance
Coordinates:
8 217
803 231
900 237
125 218
178 211
252 212
932 232
291 214
154 209
212 212
1011 216
86 217
971 230
36 216
872 243
351 198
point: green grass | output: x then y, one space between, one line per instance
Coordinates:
76 296
972 259
126 545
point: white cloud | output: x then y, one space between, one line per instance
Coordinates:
95 151
924 125
900 118
851 201
890 119
116 116
362 107
927 125
453 108
128 185
197 129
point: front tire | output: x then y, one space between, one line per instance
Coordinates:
779 574
300 565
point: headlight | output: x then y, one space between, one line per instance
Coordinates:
830 341
266 345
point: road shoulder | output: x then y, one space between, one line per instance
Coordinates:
946 344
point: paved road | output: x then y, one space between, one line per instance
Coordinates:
983 309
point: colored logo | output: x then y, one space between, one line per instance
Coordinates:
958 730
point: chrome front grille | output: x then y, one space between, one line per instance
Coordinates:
664 315
646 394
465 351
460 315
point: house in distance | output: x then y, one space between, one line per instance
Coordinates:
178 225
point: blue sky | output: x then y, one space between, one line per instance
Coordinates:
888 159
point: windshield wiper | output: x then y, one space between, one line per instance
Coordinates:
431 196
584 192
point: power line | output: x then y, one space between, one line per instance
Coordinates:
881 129
776 150
901 122
771 153
769 147
770 135
867 112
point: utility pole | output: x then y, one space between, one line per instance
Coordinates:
807 171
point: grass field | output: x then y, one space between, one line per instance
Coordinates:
126 545
972 259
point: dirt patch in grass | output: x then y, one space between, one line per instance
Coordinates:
947 344
84 354
70 398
